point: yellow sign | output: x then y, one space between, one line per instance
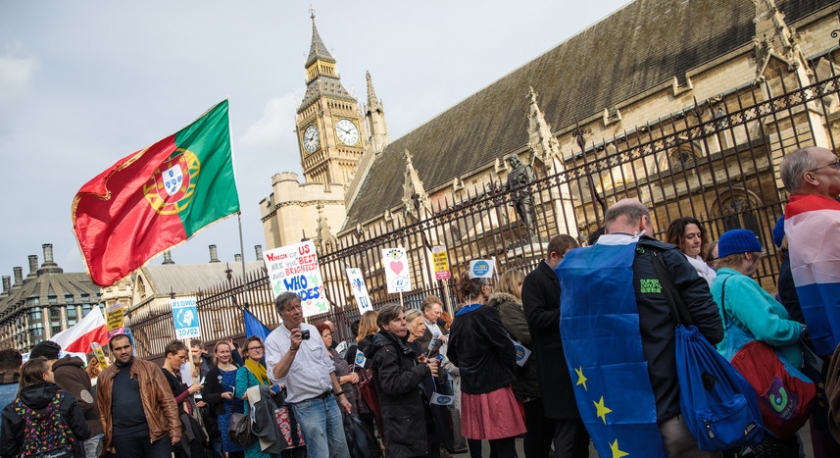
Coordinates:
115 317
99 354
441 261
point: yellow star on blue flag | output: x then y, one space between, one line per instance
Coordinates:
581 379
616 452
602 410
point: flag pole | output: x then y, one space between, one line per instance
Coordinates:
242 258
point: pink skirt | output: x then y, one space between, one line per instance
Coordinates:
493 415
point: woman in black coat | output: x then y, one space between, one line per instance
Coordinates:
397 375
479 345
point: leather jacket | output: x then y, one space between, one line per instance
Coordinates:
158 402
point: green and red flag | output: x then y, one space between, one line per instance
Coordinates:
156 198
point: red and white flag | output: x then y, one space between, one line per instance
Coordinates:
78 338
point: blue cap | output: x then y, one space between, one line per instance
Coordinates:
738 241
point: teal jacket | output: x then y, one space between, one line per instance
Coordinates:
756 311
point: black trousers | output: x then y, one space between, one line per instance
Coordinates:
139 445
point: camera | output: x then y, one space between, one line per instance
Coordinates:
304 334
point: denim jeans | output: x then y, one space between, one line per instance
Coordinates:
322 427
93 446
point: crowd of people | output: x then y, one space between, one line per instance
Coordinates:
515 361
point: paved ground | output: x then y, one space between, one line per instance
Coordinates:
804 436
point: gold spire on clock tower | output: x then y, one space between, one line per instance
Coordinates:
330 127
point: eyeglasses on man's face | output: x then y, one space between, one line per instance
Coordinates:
834 165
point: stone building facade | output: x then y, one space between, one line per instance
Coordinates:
44 303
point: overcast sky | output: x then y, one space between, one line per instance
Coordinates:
84 83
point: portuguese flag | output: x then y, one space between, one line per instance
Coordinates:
156 198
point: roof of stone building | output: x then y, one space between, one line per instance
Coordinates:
190 278
51 283
642 45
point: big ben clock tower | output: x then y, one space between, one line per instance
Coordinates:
329 125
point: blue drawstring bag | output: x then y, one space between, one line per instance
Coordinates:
718 405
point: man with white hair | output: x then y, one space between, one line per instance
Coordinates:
618 331
812 226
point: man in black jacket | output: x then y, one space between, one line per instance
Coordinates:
541 301
626 223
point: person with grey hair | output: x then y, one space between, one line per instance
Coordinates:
398 374
295 355
612 292
812 227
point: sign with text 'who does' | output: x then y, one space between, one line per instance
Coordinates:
295 268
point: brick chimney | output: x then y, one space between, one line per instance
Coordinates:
7 283
258 250
33 264
237 257
48 255
167 258
214 254
18 275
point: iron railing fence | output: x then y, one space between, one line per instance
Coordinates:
717 160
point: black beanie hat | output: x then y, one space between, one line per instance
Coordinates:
48 349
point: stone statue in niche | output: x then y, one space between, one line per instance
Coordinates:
518 178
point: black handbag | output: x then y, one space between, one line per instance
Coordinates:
239 429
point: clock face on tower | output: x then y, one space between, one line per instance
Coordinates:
310 139
347 132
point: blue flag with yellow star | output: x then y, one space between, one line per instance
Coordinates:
599 325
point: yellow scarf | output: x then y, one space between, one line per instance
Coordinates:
258 370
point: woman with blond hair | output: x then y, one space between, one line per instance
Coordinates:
526 387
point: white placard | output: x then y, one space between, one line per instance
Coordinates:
185 317
295 268
397 274
360 292
481 268
442 399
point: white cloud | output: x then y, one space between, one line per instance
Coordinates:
16 76
274 128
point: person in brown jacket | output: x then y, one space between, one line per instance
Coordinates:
138 412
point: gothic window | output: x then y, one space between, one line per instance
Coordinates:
684 156
740 211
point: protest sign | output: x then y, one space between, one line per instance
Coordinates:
481 268
441 261
115 319
295 268
397 275
185 317
360 292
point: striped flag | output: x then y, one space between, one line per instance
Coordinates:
812 227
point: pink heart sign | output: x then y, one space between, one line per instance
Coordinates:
396 267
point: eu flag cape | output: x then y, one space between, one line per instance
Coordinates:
599 325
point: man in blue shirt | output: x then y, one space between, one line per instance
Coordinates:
10 362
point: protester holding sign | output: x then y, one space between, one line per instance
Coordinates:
440 413
508 301
480 347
